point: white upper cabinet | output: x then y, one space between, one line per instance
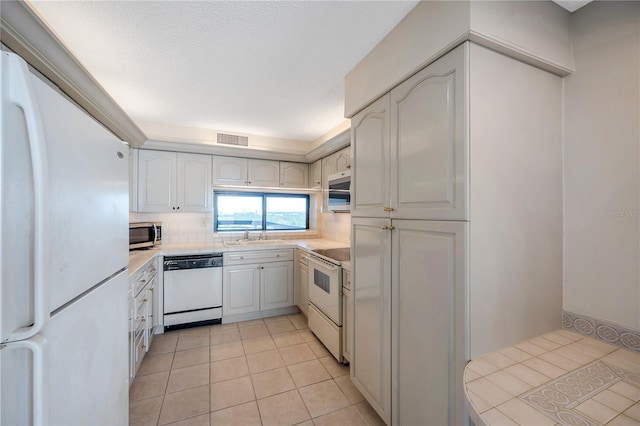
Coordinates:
371 175
229 171
411 148
245 172
294 175
342 159
263 173
193 182
169 181
428 142
315 175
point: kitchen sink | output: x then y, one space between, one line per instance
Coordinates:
252 243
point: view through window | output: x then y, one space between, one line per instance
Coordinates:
244 211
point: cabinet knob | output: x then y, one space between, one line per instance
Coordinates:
348 166
145 300
389 228
388 209
174 208
142 346
178 208
318 182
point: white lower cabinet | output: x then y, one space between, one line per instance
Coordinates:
371 351
409 291
142 302
257 281
276 285
302 282
240 289
428 293
347 314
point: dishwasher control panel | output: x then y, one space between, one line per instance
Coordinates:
172 263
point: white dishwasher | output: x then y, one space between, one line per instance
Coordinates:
192 290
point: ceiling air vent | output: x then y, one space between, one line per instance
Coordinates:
233 140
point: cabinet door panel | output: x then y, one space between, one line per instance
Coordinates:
294 175
276 286
315 175
194 182
371 287
229 171
264 173
428 334
156 180
241 289
328 168
343 159
370 175
429 143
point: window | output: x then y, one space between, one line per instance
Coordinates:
251 211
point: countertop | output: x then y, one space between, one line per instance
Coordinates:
138 258
558 378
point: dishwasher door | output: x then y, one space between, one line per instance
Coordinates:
192 295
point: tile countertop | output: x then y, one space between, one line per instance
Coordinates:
137 258
557 378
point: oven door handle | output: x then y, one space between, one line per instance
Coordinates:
323 263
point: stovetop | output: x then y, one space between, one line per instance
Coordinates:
342 254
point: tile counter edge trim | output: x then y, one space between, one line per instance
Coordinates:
601 330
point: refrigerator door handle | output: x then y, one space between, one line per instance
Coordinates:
38 346
21 94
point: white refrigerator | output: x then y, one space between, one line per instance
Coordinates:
63 259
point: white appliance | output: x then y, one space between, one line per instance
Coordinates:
63 259
325 301
339 196
192 290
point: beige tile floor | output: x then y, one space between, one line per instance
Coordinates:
261 372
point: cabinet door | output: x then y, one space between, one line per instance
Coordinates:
429 148
371 286
294 175
229 171
276 285
371 172
156 181
304 289
347 320
429 318
315 175
241 289
343 159
263 173
193 184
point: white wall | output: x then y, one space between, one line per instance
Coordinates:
601 165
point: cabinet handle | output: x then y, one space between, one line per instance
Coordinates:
389 209
277 255
241 257
145 300
142 346
318 182
249 182
348 166
152 288
174 208
178 208
390 228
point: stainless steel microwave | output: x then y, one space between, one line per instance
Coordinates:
339 199
144 234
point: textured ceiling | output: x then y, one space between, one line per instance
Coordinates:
271 68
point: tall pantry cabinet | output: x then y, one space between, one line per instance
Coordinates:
450 170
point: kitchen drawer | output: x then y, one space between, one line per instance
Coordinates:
257 256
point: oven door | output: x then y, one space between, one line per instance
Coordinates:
325 288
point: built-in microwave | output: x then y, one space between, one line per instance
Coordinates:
339 199
144 234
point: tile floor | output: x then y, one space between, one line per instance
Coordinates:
261 372
557 378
